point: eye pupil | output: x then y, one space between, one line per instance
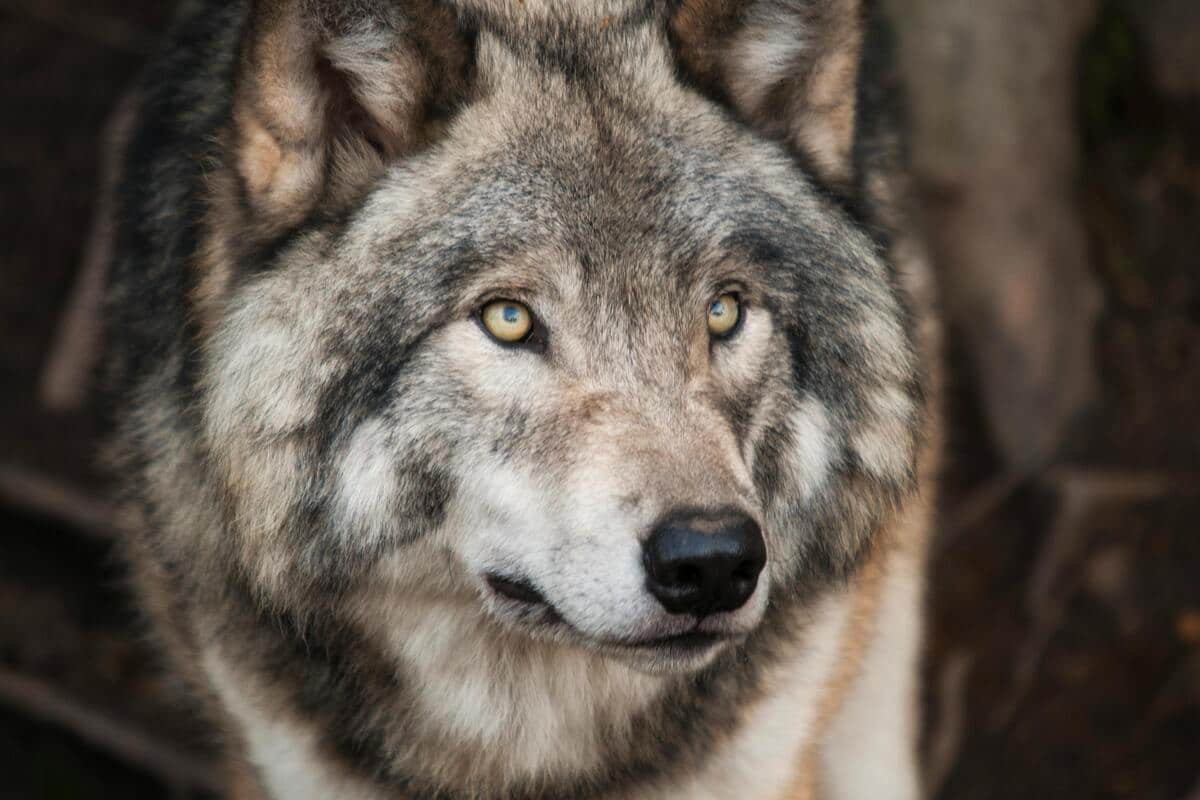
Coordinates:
512 315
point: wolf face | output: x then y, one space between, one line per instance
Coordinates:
614 470
508 387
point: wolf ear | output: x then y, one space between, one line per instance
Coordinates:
328 91
788 67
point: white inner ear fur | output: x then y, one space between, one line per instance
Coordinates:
766 53
388 81
774 48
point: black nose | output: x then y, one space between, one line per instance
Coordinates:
703 563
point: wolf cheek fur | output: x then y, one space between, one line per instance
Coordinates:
400 558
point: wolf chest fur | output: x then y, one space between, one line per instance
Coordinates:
528 398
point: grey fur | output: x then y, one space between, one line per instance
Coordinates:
314 433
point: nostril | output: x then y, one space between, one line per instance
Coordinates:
687 575
747 570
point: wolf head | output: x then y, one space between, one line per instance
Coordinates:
550 311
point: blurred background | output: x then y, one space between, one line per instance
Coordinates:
1056 147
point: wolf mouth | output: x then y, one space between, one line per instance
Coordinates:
516 589
686 643
690 642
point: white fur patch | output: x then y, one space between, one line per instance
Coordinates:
256 389
885 444
584 555
386 75
367 484
813 446
884 341
740 363
284 752
869 749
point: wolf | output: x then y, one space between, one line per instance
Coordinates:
528 398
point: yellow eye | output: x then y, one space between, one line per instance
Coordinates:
507 320
723 315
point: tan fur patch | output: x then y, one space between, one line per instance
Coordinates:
242 783
823 123
215 258
700 29
326 96
317 111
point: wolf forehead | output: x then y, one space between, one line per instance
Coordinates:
599 220
617 213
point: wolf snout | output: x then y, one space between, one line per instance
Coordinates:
704 563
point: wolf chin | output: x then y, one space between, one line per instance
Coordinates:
528 398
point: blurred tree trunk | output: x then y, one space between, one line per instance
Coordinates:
995 151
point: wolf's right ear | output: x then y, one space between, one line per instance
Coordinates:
789 68
329 90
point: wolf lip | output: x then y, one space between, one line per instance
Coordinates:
516 589
695 640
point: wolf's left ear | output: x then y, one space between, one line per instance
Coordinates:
328 91
789 68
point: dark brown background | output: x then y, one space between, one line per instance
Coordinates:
1057 151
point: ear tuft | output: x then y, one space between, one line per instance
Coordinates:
329 91
788 67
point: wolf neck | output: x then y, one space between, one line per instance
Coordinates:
480 712
533 708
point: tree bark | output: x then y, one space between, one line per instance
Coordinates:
995 155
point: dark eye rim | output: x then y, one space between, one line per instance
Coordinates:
534 340
736 294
